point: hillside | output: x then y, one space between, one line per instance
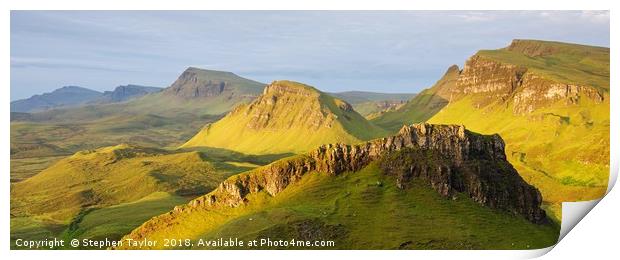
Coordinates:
126 92
287 117
63 97
159 119
549 101
371 104
118 178
423 106
428 187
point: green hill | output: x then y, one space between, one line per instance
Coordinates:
371 104
287 117
137 182
548 100
163 119
428 187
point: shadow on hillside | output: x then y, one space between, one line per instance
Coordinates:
221 154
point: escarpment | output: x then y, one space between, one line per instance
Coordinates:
449 158
490 81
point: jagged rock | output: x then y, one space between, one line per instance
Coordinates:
466 162
489 81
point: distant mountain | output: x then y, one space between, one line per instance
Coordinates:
72 96
548 100
62 97
124 93
287 117
372 104
354 97
201 83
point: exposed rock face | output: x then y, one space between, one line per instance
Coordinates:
465 162
200 83
491 81
190 85
280 97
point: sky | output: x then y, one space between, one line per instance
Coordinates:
381 51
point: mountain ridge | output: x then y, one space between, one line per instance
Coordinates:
276 121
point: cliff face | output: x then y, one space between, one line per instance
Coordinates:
200 83
277 101
449 158
491 81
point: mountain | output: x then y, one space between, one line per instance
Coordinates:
548 100
159 119
423 106
62 97
201 83
287 117
124 93
427 187
373 103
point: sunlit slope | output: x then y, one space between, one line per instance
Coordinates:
363 210
550 102
109 176
561 149
288 117
428 187
423 106
561 62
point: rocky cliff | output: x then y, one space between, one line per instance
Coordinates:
494 81
201 83
449 158
535 74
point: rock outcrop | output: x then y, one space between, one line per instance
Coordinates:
201 83
465 162
514 75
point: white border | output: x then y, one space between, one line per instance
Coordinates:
594 230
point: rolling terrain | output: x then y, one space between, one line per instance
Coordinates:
548 100
165 118
108 191
373 104
428 187
289 117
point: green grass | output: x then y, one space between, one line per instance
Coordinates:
561 62
296 120
115 221
562 149
423 106
363 210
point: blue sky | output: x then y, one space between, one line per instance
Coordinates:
388 51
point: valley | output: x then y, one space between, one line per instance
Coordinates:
480 160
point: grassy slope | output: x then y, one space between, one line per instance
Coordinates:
563 62
115 221
365 210
423 106
286 132
131 190
367 103
563 150
157 119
